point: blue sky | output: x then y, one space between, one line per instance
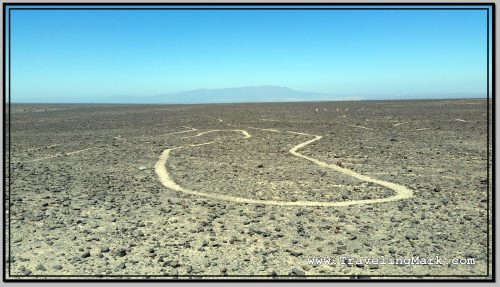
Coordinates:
87 56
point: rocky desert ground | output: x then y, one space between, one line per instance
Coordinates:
268 190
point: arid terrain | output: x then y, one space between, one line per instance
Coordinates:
249 189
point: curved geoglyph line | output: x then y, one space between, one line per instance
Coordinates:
402 192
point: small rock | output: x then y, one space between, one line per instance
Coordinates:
437 189
410 236
121 266
121 252
85 254
469 255
142 167
57 267
260 166
296 253
40 267
298 272
189 269
104 249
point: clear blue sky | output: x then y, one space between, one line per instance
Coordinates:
70 56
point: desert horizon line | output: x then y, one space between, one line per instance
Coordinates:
252 94
256 102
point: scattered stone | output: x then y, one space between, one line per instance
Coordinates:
104 249
85 254
57 267
142 167
121 266
298 272
40 267
411 236
469 255
296 253
121 252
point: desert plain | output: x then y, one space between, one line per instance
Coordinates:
257 190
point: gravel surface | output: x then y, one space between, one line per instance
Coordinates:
85 198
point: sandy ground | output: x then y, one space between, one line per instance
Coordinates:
250 190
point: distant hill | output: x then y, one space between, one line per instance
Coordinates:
241 94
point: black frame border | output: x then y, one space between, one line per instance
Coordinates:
489 277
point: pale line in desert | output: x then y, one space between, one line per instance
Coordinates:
460 120
361 127
245 133
297 133
59 155
37 148
401 191
423 129
398 124
269 130
181 132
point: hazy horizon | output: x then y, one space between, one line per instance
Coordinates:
320 97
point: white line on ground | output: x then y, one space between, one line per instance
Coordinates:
401 191
361 127
59 155
269 130
398 124
38 148
180 132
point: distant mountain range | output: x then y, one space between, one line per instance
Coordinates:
249 94
279 94
240 94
